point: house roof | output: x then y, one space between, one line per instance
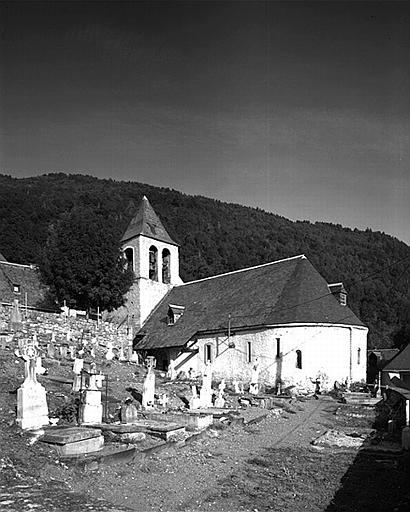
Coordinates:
146 222
27 278
282 292
401 362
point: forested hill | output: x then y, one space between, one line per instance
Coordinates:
216 237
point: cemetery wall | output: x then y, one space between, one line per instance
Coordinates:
65 329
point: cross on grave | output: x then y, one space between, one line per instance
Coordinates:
32 409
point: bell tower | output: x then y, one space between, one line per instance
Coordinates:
153 256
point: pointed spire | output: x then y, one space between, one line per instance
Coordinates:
146 222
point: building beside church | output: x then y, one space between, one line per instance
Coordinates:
21 282
282 316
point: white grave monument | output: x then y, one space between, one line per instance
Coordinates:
205 394
148 390
109 356
194 402
220 401
32 409
91 408
171 373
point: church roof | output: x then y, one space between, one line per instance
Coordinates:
18 280
283 292
399 363
2 258
146 222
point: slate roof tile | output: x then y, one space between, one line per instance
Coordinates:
282 292
146 222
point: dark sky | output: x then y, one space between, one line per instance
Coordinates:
300 108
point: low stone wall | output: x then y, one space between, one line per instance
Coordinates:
66 330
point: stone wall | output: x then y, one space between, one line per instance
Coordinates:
67 330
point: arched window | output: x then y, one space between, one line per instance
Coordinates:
166 266
299 359
153 263
129 258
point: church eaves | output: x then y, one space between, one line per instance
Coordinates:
147 223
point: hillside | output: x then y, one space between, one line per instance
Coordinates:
216 237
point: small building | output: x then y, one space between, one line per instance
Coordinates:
399 367
21 282
282 316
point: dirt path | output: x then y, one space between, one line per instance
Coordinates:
192 478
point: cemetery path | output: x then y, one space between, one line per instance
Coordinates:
205 473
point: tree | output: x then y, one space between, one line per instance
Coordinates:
82 262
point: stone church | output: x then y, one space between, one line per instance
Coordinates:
282 316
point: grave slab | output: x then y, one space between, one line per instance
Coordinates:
93 444
63 435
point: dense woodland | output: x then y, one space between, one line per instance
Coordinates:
215 237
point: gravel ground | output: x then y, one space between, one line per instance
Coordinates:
269 465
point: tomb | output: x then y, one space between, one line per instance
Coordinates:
74 440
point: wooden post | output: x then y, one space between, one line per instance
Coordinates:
408 413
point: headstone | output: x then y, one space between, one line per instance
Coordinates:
50 350
164 400
77 369
171 373
109 356
99 380
129 412
72 351
15 316
121 355
205 394
220 401
134 357
194 402
40 370
32 409
236 387
91 409
148 391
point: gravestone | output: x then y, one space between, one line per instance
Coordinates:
237 389
15 317
194 402
32 409
91 407
109 356
77 369
129 412
134 357
205 394
171 373
148 391
220 401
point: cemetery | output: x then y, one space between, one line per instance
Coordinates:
79 407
